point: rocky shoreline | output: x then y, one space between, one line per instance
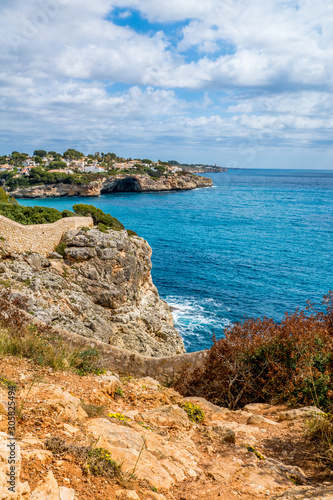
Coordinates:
117 183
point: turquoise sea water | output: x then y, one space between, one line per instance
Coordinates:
260 242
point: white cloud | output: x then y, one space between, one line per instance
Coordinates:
256 66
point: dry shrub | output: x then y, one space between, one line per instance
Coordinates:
21 338
264 361
320 430
96 461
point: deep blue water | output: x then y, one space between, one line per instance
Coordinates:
260 242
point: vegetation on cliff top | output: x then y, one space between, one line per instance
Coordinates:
42 215
264 361
39 176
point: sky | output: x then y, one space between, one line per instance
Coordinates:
236 83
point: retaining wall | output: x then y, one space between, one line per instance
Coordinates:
165 369
40 238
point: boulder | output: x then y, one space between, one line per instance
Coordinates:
305 412
124 445
48 489
253 407
220 432
67 406
169 416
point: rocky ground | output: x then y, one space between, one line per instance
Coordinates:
258 452
101 288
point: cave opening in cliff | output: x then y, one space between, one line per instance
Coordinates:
128 184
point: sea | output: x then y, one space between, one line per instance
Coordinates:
258 243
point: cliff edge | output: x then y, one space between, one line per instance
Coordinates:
101 288
116 183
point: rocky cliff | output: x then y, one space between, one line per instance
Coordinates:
101 289
117 183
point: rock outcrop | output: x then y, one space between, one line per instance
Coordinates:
74 429
55 190
102 289
117 183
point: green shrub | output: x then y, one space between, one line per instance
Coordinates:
130 232
68 213
95 461
39 176
84 362
194 412
98 216
102 227
29 215
100 463
60 249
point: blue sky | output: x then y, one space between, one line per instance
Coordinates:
236 83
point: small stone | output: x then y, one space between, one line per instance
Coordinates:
260 421
127 495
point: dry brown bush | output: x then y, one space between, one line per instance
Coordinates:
264 361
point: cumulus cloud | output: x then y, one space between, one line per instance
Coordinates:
211 72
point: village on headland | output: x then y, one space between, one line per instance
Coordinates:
51 174
18 164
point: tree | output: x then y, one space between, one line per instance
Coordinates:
72 154
55 155
17 158
40 152
38 160
57 164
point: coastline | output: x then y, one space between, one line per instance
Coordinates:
116 184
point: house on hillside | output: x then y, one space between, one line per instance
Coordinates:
29 163
93 169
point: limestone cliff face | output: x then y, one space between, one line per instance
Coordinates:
117 183
146 183
55 190
102 289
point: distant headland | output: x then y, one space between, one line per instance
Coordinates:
51 174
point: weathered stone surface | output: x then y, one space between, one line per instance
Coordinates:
125 444
306 493
260 421
305 412
103 290
222 432
67 406
127 495
253 407
22 490
169 416
207 404
48 489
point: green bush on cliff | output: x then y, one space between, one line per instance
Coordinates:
98 216
39 176
29 215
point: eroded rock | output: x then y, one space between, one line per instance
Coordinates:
102 290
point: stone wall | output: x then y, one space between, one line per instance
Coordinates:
165 369
39 238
